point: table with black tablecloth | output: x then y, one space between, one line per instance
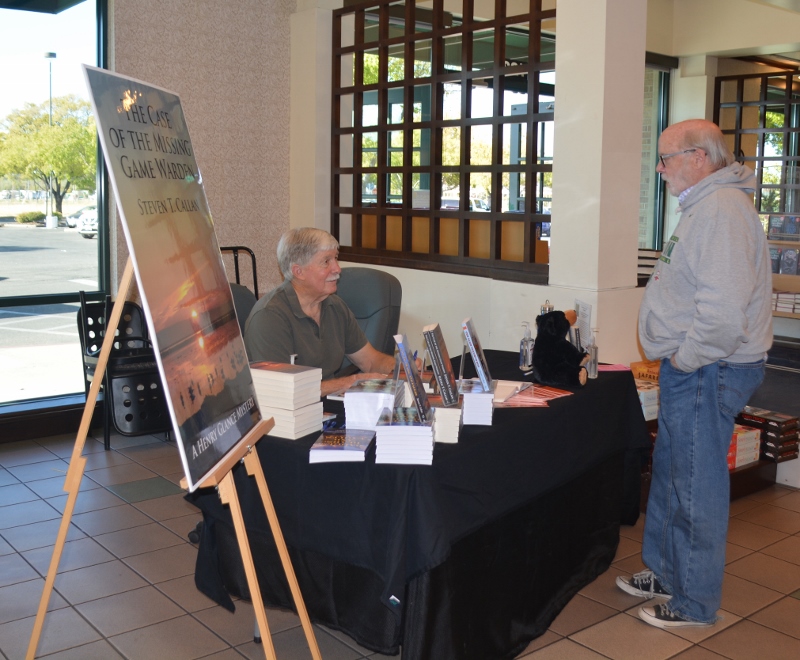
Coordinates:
471 557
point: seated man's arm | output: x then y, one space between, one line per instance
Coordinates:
371 362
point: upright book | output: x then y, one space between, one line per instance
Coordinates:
413 378
440 361
476 351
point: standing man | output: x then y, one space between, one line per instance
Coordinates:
706 314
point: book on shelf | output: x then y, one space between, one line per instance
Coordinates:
476 351
775 228
791 228
789 262
767 420
413 378
440 361
341 445
775 256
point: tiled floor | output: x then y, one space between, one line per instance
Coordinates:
125 588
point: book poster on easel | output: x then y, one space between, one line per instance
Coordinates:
179 270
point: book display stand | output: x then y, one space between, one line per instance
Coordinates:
221 478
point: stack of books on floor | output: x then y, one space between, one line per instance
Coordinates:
403 438
341 445
366 399
648 397
779 432
477 403
290 394
745 447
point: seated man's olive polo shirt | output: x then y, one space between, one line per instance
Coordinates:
278 327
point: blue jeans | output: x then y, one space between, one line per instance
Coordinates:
687 511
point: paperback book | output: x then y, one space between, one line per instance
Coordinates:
341 445
440 361
476 351
366 399
413 378
403 437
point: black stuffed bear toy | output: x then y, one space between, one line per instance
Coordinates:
556 361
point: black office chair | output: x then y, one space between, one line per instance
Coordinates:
374 297
134 399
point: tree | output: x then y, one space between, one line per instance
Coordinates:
62 155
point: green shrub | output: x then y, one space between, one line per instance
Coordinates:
30 216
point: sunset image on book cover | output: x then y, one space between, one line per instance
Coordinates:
178 266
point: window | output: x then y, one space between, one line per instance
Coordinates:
49 171
442 138
759 114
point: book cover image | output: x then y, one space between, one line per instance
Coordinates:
476 350
179 270
775 256
373 385
775 229
789 262
440 361
412 375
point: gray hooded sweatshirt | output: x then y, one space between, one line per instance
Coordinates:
710 295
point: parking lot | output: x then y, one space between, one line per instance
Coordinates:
39 347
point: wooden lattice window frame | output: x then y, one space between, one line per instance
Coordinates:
384 229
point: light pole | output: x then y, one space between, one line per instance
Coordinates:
49 221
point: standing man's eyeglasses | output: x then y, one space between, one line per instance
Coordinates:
677 153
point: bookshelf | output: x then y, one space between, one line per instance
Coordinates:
785 282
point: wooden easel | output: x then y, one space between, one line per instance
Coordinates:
221 477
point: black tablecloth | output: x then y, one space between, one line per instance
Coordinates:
380 551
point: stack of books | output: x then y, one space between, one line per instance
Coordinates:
745 446
403 438
447 422
477 403
290 394
365 400
341 445
779 432
648 397
786 301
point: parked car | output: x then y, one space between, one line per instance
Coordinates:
88 226
74 219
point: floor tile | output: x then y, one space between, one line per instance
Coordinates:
130 610
164 464
633 532
62 629
14 569
97 581
640 639
137 540
105 459
754 537
292 643
788 549
145 489
234 627
75 554
42 470
21 600
565 649
120 474
89 500
38 535
734 552
580 613
5 548
774 517
149 451
747 640
549 637
165 564
6 478
183 524
770 494
698 653
790 501
604 590
15 494
742 597
183 591
185 637
743 504
783 616
54 486
62 446
171 506
110 519
26 513
23 453
627 548
99 650
767 571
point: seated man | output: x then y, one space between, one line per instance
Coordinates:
303 317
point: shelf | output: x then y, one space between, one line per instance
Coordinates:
785 315
795 244
786 282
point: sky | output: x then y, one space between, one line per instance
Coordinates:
26 36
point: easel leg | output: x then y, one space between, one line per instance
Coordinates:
253 466
77 463
228 495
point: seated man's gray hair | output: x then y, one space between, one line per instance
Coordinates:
298 246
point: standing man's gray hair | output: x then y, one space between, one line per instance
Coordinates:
298 246
701 134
